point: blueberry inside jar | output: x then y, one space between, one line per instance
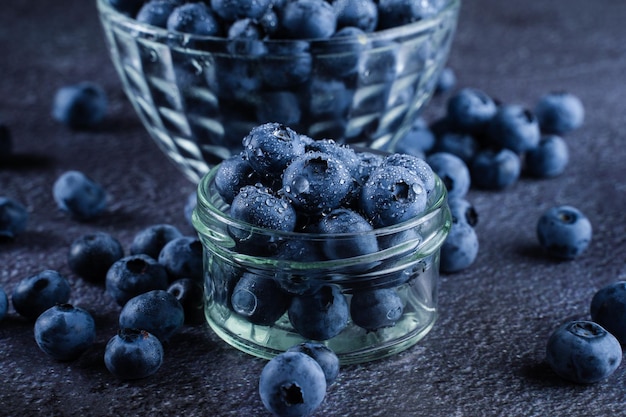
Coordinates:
301 284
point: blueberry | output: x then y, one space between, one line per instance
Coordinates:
151 240
548 159
564 232
379 65
559 112
91 255
193 18
307 19
343 221
245 37
459 249
392 13
393 194
321 315
462 210
156 12
190 295
133 354
80 106
446 81
328 97
78 195
368 163
415 164
470 110
292 384
127 7
514 127
463 145
287 65
316 182
298 250
158 312
583 352
269 22
231 10
13 218
323 355
37 293
133 275
343 153
417 141
608 309
182 258
376 309
453 172
4 303
341 58
362 14
259 299
495 170
64 331
259 206
270 147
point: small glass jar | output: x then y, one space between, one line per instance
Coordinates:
364 307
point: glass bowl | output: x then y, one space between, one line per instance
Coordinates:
199 96
265 293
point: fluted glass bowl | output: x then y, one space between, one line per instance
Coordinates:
198 100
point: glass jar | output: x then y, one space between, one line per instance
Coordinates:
364 307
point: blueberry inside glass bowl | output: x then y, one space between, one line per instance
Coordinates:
268 290
199 95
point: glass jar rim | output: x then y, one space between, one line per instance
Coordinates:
207 209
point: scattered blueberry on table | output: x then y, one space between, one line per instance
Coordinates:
323 355
583 352
564 232
157 311
91 255
151 240
79 195
559 112
65 331
292 384
37 293
133 275
13 217
133 354
80 106
608 309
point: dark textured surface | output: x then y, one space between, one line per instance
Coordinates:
485 355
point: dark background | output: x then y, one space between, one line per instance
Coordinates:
485 355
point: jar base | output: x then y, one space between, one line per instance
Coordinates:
346 357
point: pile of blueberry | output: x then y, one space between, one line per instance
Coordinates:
276 19
488 145
158 285
283 181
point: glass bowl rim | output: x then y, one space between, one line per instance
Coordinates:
155 32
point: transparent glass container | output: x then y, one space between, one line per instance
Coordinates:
403 273
198 96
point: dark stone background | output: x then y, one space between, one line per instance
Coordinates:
485 355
